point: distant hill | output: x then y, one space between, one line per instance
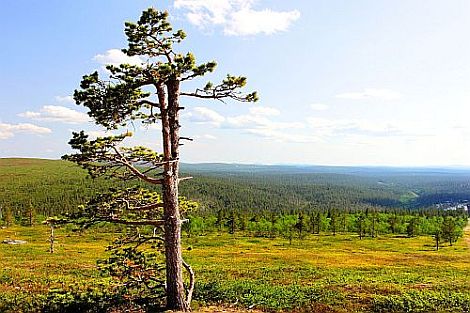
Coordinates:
54 186
312 169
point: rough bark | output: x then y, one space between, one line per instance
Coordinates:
175 291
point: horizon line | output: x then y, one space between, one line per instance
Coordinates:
451 166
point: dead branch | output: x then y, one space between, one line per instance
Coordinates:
136 223
190 289
186 138
122 159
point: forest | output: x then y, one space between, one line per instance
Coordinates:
262 201
54 187
258 237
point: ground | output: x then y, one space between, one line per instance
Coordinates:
323 273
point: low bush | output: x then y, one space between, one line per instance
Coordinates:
264 296
423 301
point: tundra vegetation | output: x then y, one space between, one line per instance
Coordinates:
269 259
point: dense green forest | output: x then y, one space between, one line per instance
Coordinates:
55 187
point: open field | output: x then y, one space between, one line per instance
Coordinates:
320 273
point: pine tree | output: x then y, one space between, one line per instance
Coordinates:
231 222
412 227
450 230
30 214
149 92
8 217
361 225
393 223
333 222
300 225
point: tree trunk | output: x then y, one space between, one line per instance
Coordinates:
174 266
175 292
51 239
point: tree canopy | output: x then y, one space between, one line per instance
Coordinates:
150 93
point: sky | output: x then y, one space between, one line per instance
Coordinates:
364 82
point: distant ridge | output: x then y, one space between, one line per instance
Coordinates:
219 167
320 169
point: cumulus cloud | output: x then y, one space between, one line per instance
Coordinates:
236 17
116 57
257 119
371 93
56 113
9 130
203 115
257 123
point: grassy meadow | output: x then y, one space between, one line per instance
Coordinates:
322 273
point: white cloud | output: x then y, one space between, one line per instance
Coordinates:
203 115
343 127
56 113
256 123
264 111
251 22
371 93
319 106
257 119
237 17
247 121
9 130
205 11
282 136
116 57
66 99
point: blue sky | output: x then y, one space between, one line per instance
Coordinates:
340 82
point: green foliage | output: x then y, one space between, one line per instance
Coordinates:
138 273
423 301
451 229
57 187
286 226
51 187
412 229
151 35
262 295
8 217
94 299
123 206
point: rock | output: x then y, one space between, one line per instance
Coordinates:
14 242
